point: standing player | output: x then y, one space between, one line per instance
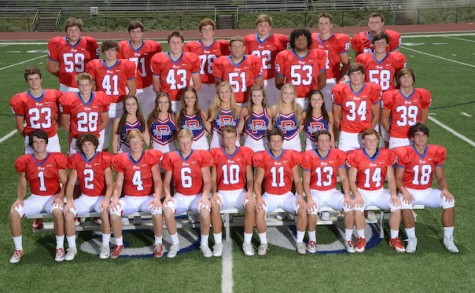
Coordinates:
192 181
321 166
303 67
174 70
84 112
362 41
36 108
415 170
355 108
336 46
232 180
207 49
265 45
278 169
140 51
115 77
404 107
68 56
241 71
369 168
92 170
44 172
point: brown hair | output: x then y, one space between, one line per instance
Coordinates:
31 70
70 22
123 118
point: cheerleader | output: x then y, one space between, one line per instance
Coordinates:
315 118
162 125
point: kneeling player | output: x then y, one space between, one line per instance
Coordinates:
369 167
92 169
138 177
44 172
278 168
320 169
416 166
192 180
230 174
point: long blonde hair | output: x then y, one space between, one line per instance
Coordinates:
295 106
216 106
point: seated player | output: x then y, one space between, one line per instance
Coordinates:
92 170
369 167
278 169
415 169
44 172
321 166
232 180
138 177
192 181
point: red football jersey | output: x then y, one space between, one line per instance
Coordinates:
362 42
356 106
42 176
207 56
141 57
72 59
85 117
187 176
266 50
405 111
335 45
39 113
371 171
240 75
231 169
91 173
383 71
419 169
174 74
112 80
302 73
278 171
138 179
323 170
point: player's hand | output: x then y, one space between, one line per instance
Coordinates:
114 205
348 202
104 207
301 203
215 200
395 200
58 202
407 198
17 203
250 200
447 195
359 201
261 204
204 203
311 205
156 204
69 207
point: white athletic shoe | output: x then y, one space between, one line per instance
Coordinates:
280 216
218 249
206 251
301 248
350 246
411 245
312 246
105 252
450 245
59 254
173 250
325 216
71 254
262 250
17 254
248 249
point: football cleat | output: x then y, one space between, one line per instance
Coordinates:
38 224
173 250
312 246
248 249
218 249
206 251
71 254
325 216
450 245
350 246
301 248
117 251
105 252
360 245
16 257
262 250
411 245
59 254
397 244
158 250
280 216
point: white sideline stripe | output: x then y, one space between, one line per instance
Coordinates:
462 137
439 57
460 39
465 114
12 65
437 35
7 136
227 283
23 43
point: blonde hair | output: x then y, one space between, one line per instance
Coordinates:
184 133
216 106
134 133
264 18
257 88
295 106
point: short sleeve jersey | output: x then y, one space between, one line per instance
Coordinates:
207 56
334 46
231 168
371 171
382 71
362 42
91 172
323 170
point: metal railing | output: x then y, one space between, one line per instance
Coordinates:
35 21
58 20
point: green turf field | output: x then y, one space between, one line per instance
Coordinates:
443 64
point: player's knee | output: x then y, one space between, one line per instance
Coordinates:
447 205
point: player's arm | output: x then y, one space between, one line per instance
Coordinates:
345 65
21 190
385 113
336 109
109 179
250 182
63 178
345 186
259 81
156 83
399 174
302 204
73 175
52 67
131 87
424 115
104 120
119 182
214 185
195 78
65 122
354 189
157 186
392 186
311 205
115 136
167 180
375 114
322 79
20 125
258 187
442 180
279 81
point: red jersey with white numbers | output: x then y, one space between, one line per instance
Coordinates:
323 170
382 71
231 168
91 172
362 42
207 56
371 170
334 46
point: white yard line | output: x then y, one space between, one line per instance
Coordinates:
452 131
22 62
439 57
227 273
466 114
7 136
460 39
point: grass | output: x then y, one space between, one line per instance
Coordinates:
430 269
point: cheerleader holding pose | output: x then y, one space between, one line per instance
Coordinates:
162 125
316 118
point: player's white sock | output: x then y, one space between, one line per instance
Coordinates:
312 236
348 234
119 241
158 240
106 238
218 238
263 237
18 242
204 239
394 233
59 241
448 231
360 233
71 241
411 232
247 237
174 238
300 235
